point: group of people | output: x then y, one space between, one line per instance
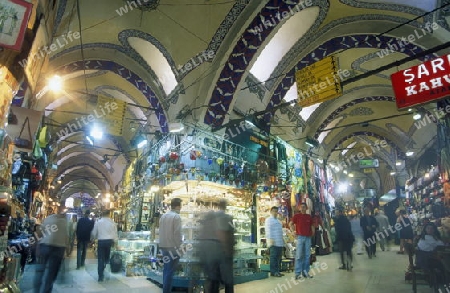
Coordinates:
57 236
302 225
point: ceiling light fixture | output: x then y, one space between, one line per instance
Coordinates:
96 133
409 153
417 116
176 127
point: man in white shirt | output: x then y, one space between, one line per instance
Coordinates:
105 230
275 242
170 240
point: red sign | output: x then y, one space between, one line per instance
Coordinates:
423 83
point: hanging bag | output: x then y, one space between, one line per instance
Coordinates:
22 142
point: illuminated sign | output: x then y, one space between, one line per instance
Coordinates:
423 83
259 141
369 163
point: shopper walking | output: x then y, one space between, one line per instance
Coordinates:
383 226
83 233
217 249
275 242
369 225
345 239
105 231
170 240
51 250
302 224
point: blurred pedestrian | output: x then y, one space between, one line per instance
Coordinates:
51 250
369 226
105 231
275 242
355 222
217 249
383 225
72 228
345 239
83 233
170 240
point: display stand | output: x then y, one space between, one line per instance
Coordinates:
202 197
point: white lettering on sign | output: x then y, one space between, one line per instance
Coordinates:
422 70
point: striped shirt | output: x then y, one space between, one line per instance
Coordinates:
274 230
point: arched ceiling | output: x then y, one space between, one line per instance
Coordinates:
210 61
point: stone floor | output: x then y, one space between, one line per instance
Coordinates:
383 274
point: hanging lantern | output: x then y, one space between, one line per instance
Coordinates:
198 154
162 159
219 161
192 155
174 156
210 161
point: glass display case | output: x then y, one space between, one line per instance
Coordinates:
134 246
190 272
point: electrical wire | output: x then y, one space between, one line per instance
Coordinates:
82 46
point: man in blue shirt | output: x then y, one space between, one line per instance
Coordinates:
275 242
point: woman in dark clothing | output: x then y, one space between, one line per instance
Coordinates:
406 231
345 239
369 225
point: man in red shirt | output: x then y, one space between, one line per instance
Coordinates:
303 226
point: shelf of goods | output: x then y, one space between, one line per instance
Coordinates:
190 272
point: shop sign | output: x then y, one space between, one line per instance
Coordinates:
14 16
112 120
369 163
422 83
259 141
318 82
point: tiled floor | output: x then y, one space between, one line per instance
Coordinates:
383 274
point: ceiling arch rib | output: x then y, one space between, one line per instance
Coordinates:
126 74
355 131
415 7
87 161
340 109
245 50
77 173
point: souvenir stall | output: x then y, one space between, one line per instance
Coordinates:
201 169
425 198
9 265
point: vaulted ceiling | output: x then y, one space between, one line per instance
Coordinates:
210 61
